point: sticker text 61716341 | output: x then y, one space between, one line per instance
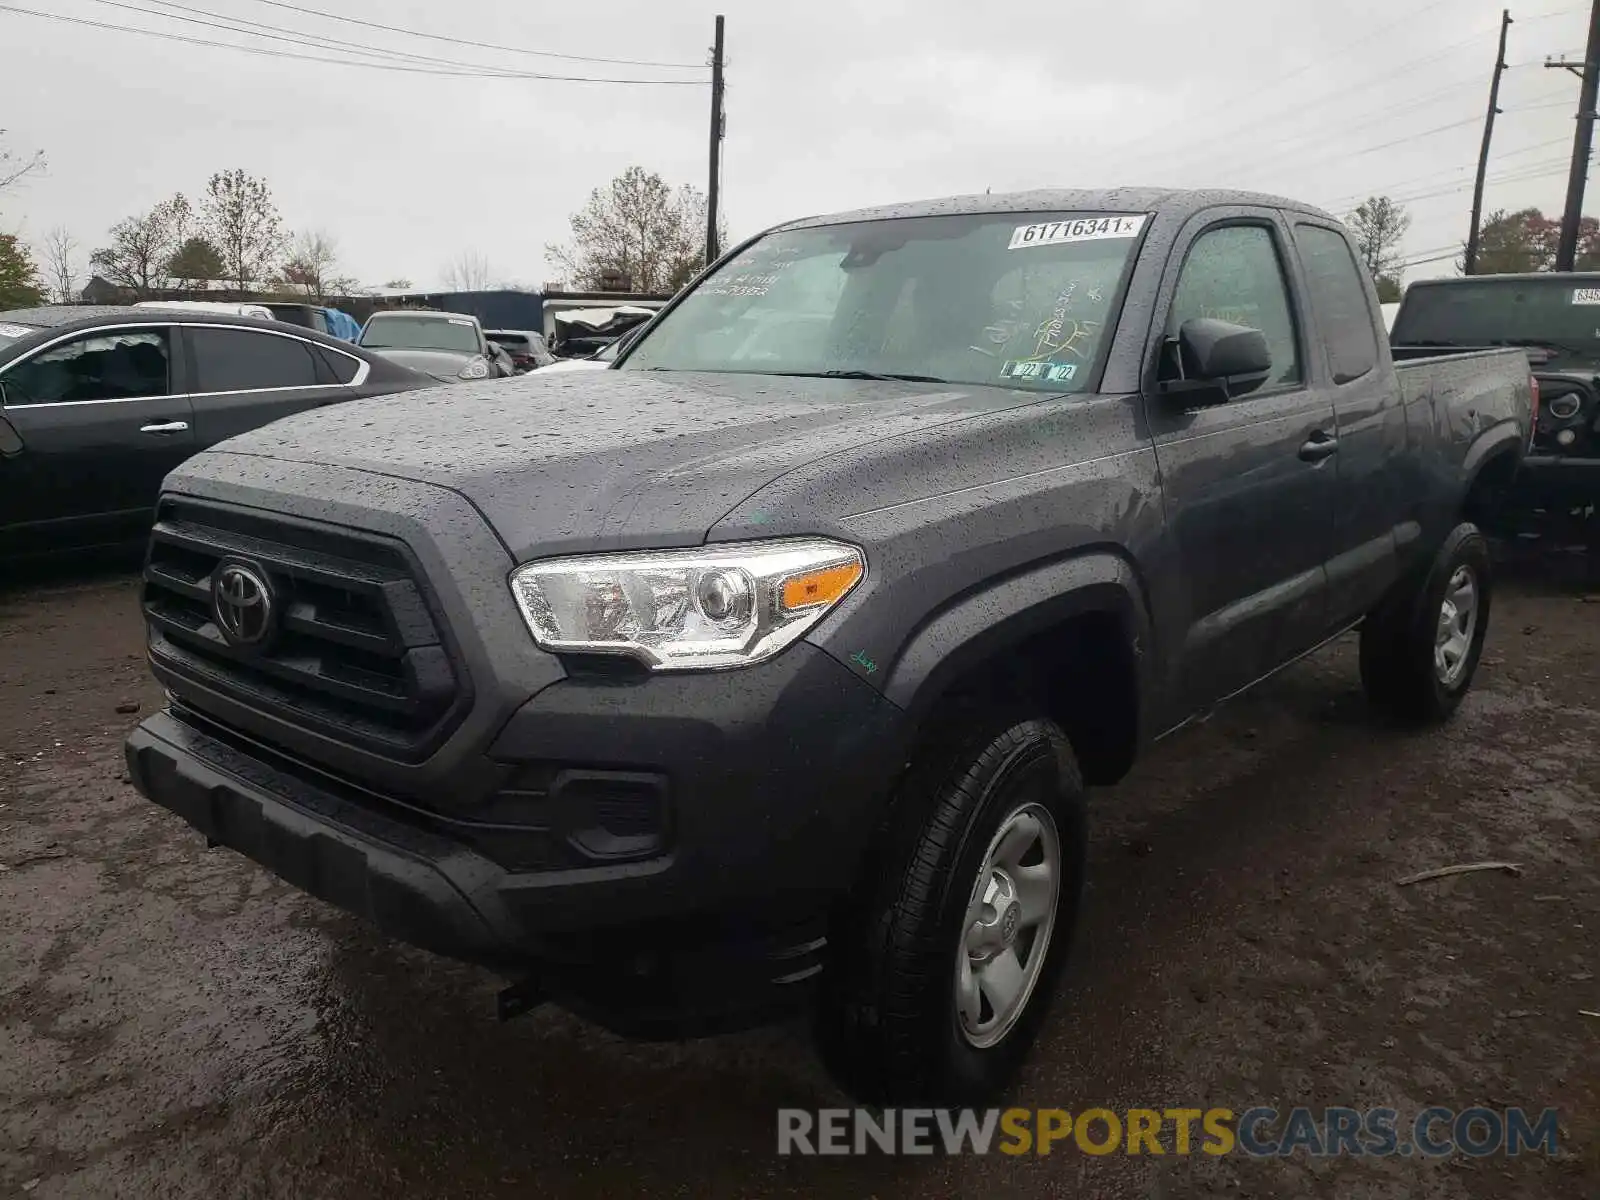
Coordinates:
1086 229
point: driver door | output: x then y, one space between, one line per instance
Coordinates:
1249 494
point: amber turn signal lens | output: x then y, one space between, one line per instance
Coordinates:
819 587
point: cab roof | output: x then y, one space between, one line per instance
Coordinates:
1182 202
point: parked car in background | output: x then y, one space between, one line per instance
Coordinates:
98 404
597 361
579 332
307 316
447 346
771 675
527 349
1556 319
224 308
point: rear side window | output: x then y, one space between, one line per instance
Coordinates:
117 364
333 367
241 360
1339 301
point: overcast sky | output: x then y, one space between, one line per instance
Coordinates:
830 106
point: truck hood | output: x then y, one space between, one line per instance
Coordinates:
601 460
441 364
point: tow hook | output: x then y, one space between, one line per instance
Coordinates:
523 996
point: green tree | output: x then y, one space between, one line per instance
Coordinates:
194 263
639 228
1388 290
241 221
1511 243
20 285
1379 225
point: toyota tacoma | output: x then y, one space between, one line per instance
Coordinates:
767 668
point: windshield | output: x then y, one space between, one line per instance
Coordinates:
1561 314
14 333
413 332
1010 300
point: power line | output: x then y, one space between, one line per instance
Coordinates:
1390 189
1297 111
293 38
456 41
487 73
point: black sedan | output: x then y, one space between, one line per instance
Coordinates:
98 404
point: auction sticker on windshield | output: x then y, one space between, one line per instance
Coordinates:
1088 229
15 331
1586 295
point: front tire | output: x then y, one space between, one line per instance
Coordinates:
1420 649
944 963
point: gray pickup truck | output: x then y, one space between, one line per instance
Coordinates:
768 667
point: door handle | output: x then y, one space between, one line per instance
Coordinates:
165 427
1318 446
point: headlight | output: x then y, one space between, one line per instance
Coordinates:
678 610
478 368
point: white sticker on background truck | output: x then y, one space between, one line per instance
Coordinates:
16 331
1586 295
1086 229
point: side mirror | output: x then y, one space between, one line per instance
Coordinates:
1219 356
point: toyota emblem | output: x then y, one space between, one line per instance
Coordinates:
242 602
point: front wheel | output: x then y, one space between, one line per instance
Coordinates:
1420 649
943 966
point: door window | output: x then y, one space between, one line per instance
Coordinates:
1340 302
117 364
335 367
1234 274
241 360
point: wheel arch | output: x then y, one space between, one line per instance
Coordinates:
1044 629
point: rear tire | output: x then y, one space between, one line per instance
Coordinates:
1420 648
914 1005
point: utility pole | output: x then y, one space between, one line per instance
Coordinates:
714 186
1471 262
1567 249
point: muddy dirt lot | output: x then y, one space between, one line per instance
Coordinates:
176 1023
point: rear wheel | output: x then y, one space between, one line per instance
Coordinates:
1420 649
944 964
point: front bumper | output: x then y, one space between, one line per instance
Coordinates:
772 778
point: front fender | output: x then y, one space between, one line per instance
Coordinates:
960 637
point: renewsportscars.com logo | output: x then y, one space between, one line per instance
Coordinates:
1259 1132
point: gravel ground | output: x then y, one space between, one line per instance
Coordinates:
176 1023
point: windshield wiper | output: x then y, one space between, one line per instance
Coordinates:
894 375
1541 344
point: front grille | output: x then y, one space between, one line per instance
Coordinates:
357 652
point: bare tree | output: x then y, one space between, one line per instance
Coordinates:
468 273
399 285
14 166
142 245
242 222
1379 225
637 228
313 267
61 265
